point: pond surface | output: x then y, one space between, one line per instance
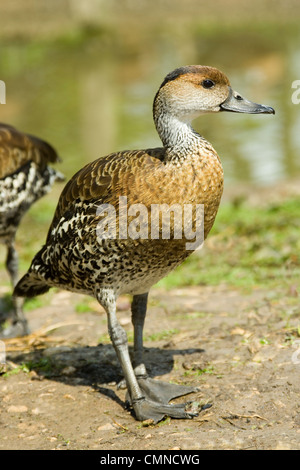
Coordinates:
91 93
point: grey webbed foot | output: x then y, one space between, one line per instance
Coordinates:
146 409
16 329
163 392
155 403
18 325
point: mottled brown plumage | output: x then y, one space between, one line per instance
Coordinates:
25 176
147 177
186 171
18 148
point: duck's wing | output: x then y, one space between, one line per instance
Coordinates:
105 179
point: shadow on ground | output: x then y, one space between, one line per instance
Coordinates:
95 366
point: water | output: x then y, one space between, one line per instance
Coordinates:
91 94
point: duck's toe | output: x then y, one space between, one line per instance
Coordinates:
163 392
145 409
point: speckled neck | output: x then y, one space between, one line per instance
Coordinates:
178 137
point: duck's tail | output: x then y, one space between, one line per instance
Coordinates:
30 285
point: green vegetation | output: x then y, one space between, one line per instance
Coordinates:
46 366
87 304
16 370
35 302
247 247
158 336
162 335
197 372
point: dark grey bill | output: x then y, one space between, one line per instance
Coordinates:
237 104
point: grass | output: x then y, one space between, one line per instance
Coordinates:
45 366
34 303
247 247
16 370
158 336
162 335
85 305
198 372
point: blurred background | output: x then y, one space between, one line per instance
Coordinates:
83 74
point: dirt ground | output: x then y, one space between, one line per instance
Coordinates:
60 388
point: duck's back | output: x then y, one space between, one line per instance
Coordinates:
18 148
25 175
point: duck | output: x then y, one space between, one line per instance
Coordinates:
88 250
25 176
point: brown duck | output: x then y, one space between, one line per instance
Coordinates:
186 172
25 176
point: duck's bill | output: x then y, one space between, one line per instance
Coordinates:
237 104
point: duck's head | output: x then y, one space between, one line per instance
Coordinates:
190 91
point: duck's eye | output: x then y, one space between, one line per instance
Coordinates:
207 83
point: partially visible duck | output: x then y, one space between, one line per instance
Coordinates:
25 176
185 170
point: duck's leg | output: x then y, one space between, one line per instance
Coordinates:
157 390
12 262
138 309
138 314
143 407
19 326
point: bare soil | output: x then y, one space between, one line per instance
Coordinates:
60 386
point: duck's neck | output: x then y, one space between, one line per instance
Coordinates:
178 137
